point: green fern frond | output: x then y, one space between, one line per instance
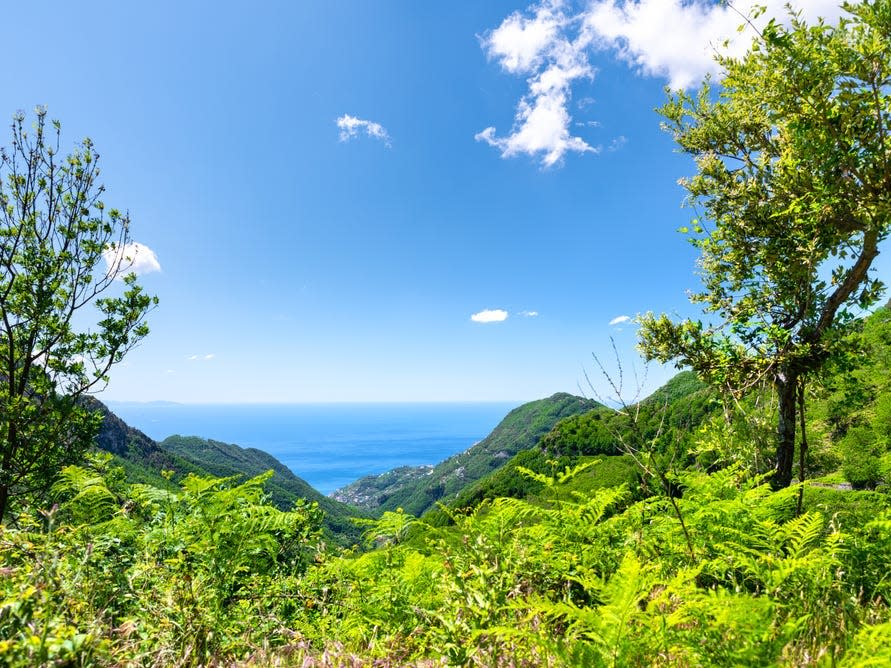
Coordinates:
545 480
802 533
85 495
570 473
871 648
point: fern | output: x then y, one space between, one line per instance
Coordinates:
85 495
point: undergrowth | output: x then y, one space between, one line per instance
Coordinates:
119 574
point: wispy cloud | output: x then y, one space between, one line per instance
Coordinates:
201 358
528 314
134 258
551 45
617 143
490 315
351 127
620 320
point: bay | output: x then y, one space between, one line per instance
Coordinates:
328 445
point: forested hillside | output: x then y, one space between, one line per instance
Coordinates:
519 430
668 417
165 464
284 488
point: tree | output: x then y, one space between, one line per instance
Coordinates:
61 252
794 183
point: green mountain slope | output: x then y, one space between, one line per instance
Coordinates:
140 456
669 415
143 459
519 430
284 488
372 490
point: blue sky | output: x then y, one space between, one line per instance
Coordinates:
333 189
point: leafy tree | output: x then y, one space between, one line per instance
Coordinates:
55 237
794 175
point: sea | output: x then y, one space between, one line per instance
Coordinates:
328 445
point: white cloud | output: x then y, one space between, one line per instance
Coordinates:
201 358
540 128
490 315
551 46
134 258
351 127
528 314
677 39
543 48
620 320
519 42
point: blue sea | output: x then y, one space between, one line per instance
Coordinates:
328 445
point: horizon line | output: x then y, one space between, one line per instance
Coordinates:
322 402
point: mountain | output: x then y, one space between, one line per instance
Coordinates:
143 459
226 459
562 426
519 430
668 416
140 456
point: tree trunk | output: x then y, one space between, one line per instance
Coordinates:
802 448
787 393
